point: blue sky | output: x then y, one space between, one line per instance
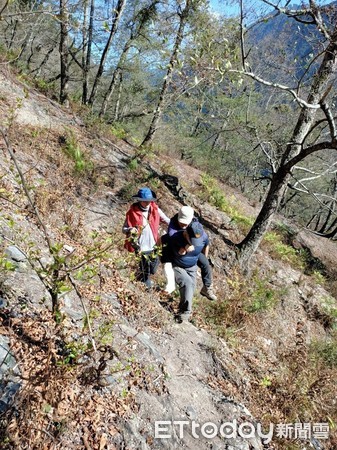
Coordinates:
221 6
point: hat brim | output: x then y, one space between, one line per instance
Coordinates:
138 199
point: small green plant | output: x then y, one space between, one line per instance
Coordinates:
44 86
133 164
169 169
266 382
329 305
6 265
35 133
319 277
126 192
214 195
73 151
153 183
72 352
105 333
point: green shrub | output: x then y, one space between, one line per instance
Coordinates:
212 193
118 131
133 164
278 249
326 350
262 296
329 305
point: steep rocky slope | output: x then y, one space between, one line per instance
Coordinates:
115 362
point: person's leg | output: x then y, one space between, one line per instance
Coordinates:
185 279
144 269
207 279
154 263
206 271
170 281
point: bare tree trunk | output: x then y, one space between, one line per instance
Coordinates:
87 46
118 101
115 76
167 80
141 20
64 54
3 7
118 13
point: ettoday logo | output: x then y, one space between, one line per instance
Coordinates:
166 429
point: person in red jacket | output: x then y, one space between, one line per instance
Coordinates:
141 227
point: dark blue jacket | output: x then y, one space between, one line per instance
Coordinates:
191 258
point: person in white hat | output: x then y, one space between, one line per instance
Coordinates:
186 247
180 222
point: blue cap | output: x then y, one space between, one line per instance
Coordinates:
195 229
144 195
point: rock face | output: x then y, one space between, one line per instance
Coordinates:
15 254
191 413
9 375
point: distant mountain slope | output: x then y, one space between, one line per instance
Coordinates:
287 45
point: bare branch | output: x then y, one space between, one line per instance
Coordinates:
289 12
282 87
87 316
315 175
242 37
4 7
30 13
318 19
309 151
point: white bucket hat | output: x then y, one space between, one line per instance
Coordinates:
185 215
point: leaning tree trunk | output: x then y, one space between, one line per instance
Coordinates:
167 80
295 151
253 239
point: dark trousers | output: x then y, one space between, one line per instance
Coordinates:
148 266
206 271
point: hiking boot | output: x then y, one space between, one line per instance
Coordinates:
208 292
183 317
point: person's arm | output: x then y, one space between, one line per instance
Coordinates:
128 230
205 250
163 217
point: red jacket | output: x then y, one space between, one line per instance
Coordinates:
134 218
